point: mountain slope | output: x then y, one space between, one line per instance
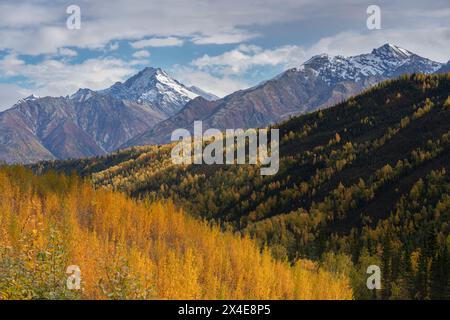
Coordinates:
320 82
162 132
18 142
387 116
89 123
445 68
366 181
60 128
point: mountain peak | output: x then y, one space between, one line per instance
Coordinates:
149 72
386 61
317 61
31 97
153 86
389 50
144 75
321 56
82 95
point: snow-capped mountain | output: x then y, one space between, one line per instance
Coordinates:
146 108
320 82
88 122
82 95
384 62
31 97
153 86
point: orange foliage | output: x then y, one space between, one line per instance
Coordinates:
133 250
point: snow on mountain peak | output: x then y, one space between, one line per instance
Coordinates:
317 58
82 95
31 98
153 86
385 61
392 51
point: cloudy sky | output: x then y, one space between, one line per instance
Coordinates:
219 46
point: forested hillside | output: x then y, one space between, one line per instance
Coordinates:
131 250
364 182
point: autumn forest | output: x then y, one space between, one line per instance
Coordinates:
365 182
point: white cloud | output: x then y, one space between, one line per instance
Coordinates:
10 94
157 42
244 57
40 27
67 52
218 85
21 14
141 54
59 78
432 43
113 46
10 64
225 38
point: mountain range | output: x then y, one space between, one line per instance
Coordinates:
320 82
89 123
146 108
